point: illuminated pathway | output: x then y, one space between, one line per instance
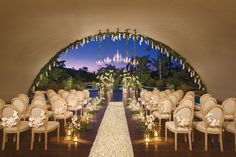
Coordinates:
113 137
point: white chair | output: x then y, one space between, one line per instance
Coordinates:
73 91
209 102
60 91
203 98
174 101
43 104
164 110
231 127
153 104
168 92
229 106
187 102
24 97
73 103
182 124
21 106
40 124
15 126
213 119
162 94
60 111
2 104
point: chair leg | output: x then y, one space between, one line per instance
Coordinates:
192 135
189 141
17 141
32 140
165 134
176 141
58 133
4 140
221 143
160 122
64 121
185 138
206 141
46 141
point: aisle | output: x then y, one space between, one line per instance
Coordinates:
113 137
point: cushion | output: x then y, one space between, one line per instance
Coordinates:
200 126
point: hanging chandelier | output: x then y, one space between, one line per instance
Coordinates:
127 59
117 57
135 61
107 60
99 62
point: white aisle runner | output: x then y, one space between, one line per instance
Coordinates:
113 139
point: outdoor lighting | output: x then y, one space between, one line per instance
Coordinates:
156 133
76 136
146 136
69 131
127 60
117 57
107 60
99 62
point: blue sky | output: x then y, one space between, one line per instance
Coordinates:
87 55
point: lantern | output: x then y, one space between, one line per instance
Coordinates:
69 131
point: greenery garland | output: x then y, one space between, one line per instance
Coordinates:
153 44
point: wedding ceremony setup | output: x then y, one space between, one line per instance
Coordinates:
118 78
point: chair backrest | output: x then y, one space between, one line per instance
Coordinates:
40 114
155 99
39 102
214 116
188 96
229 106
187 102
142 93
53 98
12 112
168 91
209 102
24 97
2 103
204 97
165 105
80 95
39 93
19 104
156 91
162 94
73 91
41 97
183 116
86 93
173 99
65 95
59 104
60 91
190 93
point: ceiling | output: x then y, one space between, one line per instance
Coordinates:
203 32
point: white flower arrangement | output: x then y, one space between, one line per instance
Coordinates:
11 121
75 121
37 122
211 121
150 121
106 80
134 105
130 81
60 110
182 122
